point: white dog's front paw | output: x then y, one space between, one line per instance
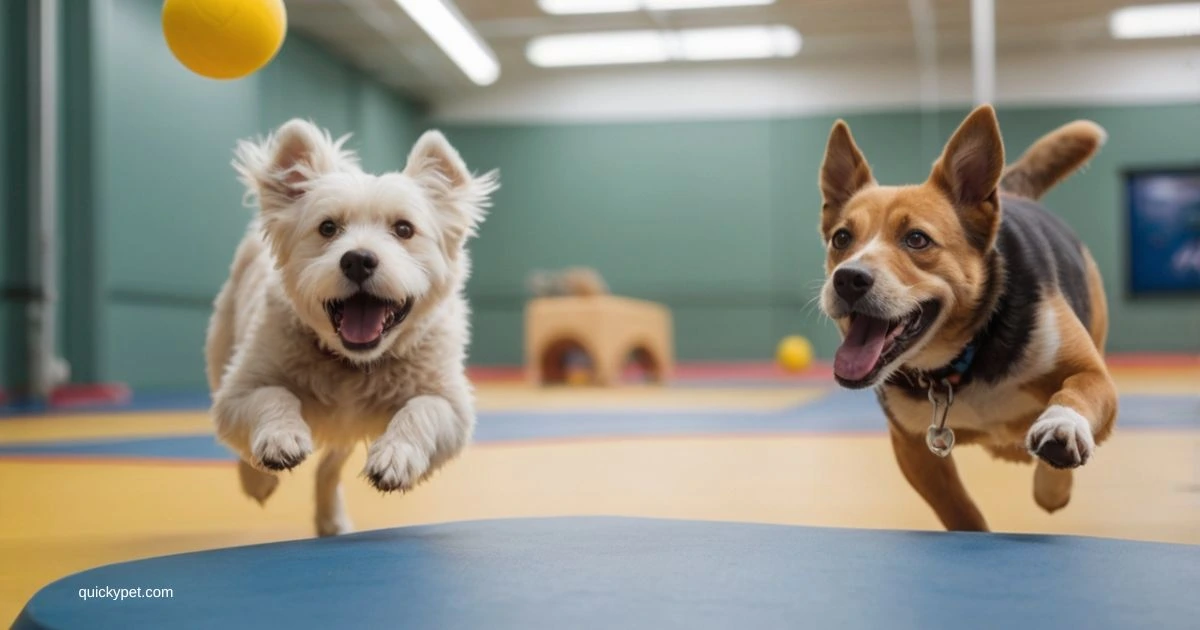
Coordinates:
393 464
1061 437
281 445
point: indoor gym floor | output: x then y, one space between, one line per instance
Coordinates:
82 490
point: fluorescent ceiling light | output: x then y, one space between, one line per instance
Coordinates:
1156 20
626 47
568 7
754 42
446 26
680 5
597 49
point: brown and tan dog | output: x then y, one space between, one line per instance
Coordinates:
974 313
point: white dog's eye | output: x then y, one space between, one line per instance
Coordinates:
404 230
328 229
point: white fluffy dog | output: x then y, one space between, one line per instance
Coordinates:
343 318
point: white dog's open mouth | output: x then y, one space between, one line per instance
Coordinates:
362 319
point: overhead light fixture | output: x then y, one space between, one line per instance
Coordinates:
683 5
753 42
575 7
448 29
597 49
629 47
1156 20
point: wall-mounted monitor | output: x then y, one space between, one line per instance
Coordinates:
1163 239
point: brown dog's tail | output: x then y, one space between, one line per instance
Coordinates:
1053 158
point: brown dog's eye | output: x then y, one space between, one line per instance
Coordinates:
404 230
917 240
328 229
841 239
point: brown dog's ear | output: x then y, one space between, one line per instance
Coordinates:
969 171
843 173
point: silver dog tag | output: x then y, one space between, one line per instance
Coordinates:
940 440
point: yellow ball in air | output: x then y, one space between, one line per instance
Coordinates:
795 353
224 39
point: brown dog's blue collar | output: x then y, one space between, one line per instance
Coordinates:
953 373
959 367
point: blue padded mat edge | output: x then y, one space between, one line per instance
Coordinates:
599 572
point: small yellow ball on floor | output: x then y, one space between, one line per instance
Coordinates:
794 354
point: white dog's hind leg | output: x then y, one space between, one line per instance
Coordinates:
420 437
258 485
331 507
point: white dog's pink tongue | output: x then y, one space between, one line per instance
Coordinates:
860 349
362 319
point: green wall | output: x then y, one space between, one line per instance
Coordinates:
152 211
14 285
1094 205
719 219
172 208
7 58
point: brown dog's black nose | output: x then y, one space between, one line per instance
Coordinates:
359 264
851 283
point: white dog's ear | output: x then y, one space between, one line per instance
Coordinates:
278 171
433 156
461 199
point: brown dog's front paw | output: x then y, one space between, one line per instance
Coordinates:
1061 437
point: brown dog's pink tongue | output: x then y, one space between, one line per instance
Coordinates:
861 348
362 319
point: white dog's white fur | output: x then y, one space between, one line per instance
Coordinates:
284 378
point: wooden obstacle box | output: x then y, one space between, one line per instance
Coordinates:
608 330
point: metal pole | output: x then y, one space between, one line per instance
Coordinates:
983 48
46 370
925 34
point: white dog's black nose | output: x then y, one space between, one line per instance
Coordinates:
359 264
851 283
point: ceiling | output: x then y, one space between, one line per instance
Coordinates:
377 36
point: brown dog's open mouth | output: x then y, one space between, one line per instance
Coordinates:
362 319
871 343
